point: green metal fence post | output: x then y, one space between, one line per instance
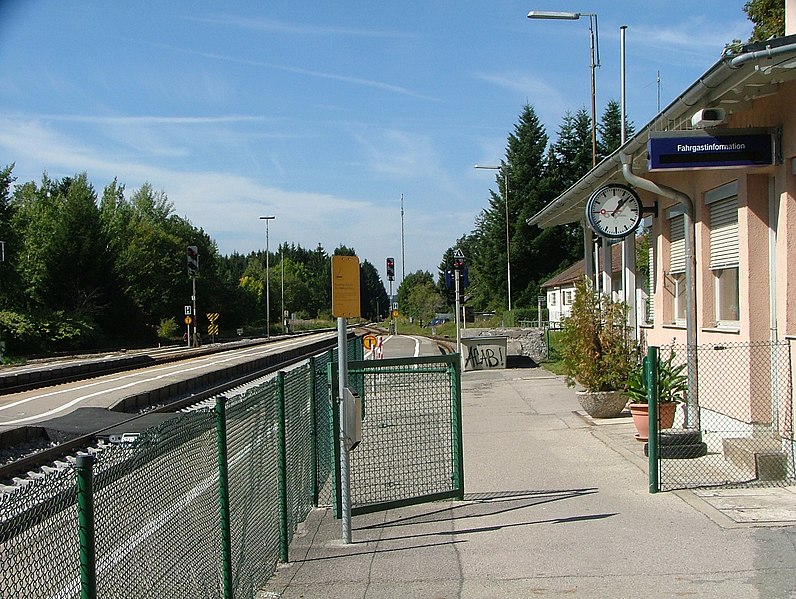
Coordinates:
85 519
458 459
331 373
283 535
651 375
313 434
223 496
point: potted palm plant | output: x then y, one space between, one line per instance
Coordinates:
672 384
597 351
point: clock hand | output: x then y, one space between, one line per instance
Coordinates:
621 203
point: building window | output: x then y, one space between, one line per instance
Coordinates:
724 252
568 296
727 304
551 299
677 263
679 296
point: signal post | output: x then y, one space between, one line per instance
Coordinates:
393 311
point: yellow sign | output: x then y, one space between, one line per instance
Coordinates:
188 320
212 329
369 341
394 314
212 316
345 287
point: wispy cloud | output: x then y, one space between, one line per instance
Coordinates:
275 26
147 119
226 204
381 85
680 38
521 82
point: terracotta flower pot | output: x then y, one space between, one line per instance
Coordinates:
639 411
602 404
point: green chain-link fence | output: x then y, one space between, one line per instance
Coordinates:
160 503
736 428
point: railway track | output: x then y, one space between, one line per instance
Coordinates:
45 373
20 469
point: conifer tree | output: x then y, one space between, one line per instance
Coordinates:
609 130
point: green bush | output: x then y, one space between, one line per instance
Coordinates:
46 332
168 329
596 348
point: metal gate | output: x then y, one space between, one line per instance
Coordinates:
411 449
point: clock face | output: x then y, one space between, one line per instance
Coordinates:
614 211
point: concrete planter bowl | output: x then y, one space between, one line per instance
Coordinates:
602 404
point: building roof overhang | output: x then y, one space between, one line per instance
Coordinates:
733 83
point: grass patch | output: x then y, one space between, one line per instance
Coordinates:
554 363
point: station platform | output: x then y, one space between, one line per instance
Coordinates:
556 504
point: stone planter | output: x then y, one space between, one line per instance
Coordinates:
602 404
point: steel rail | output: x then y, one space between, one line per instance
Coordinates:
47 456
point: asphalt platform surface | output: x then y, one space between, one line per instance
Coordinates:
556 505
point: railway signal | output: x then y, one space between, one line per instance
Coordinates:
390 269
193 260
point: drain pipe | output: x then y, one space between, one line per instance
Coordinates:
692 405
768 53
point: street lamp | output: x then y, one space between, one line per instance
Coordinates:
594 42
508 238
267 283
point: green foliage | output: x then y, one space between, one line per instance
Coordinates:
46 332
672 383
424 302
168 328
596 347
768 17
609 130
373 297
83 271
412 280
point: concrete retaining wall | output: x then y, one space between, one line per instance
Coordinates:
520 342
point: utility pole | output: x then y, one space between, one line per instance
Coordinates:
403 256
267 282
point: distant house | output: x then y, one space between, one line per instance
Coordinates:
560 289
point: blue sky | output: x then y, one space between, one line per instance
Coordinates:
324 113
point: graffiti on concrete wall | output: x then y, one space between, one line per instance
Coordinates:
485 356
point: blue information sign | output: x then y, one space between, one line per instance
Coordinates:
709 151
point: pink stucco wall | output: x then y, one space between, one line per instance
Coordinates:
755 222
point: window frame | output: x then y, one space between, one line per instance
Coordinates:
676 215
722 204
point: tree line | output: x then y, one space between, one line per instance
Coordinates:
81 269
86 270
533 172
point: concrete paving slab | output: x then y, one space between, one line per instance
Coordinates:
765 506
555 505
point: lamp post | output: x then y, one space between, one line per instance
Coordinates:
594 60
267 283
508 238
284 316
